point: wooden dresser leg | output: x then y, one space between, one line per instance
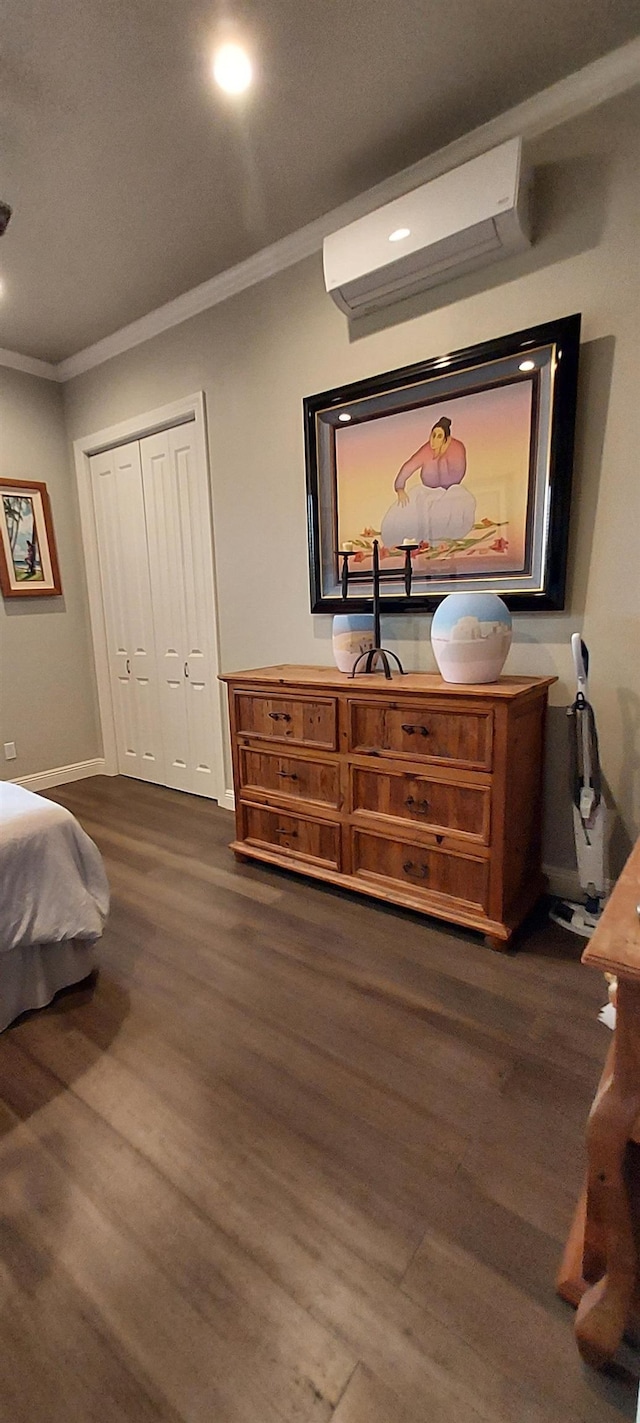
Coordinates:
605 1308
500 945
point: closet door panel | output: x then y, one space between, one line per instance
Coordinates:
122 543
165 566
103 478
180 564
199 603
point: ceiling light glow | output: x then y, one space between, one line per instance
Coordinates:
344 416
232 68
399 234
527 366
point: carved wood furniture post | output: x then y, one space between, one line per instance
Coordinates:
600 1267
604 1309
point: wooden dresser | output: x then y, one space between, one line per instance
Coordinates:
415 791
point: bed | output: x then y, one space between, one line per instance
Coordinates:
54 900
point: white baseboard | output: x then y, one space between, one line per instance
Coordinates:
44 780
562 882
565 884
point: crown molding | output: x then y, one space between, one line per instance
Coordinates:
30 365
606 78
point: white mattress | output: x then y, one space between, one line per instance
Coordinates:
53 886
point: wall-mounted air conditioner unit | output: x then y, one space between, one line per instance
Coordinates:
456 223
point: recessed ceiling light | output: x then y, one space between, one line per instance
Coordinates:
399 234
527 366
232 68
344 417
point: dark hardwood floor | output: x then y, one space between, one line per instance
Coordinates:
293 1157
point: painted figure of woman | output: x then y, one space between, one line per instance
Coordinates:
438 507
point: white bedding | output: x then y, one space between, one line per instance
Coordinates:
53 886
30 978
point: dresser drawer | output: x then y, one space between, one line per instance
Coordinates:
274 774
315 840
420 800
428 871
302 721
420 731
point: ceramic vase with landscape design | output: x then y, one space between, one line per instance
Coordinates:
352 635
471 636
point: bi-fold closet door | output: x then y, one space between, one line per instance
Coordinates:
154 542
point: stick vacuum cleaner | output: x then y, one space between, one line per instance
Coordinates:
589 810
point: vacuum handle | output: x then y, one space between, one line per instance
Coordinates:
580 661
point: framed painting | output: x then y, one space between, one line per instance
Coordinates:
466 457
28 556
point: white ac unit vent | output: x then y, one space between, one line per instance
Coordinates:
456 223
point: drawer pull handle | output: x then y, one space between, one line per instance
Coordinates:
410 868
280 716
415 730
288 775
421 806
282 830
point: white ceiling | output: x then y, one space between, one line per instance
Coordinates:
132 179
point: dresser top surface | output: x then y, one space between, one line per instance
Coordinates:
331 680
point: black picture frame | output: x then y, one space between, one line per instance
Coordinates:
540 585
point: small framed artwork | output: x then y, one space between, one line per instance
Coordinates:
28 556
465 458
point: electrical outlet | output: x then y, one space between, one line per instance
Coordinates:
10 751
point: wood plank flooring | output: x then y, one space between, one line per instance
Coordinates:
293 1157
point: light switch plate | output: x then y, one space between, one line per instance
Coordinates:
10 751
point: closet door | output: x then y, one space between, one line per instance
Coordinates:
116 478
181 570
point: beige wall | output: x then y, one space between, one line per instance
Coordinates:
47 702
257 355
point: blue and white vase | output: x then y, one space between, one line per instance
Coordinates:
352 635
471 636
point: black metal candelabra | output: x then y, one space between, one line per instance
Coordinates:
407 549
377 654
